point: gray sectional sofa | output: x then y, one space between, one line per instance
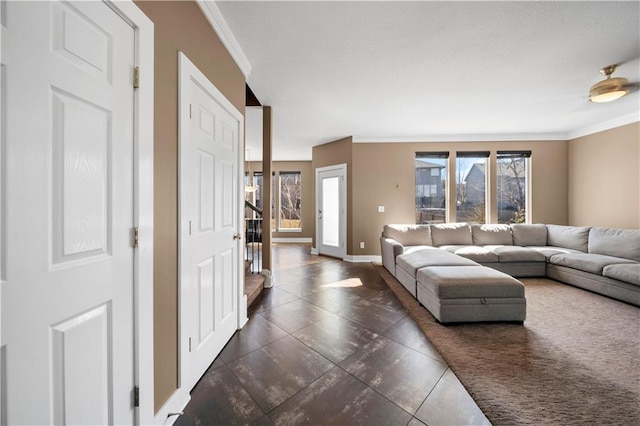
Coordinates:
602 260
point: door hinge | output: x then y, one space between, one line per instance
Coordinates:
189 110
136 396
136 77
136 237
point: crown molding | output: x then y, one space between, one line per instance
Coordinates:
480 137
222 29
605 125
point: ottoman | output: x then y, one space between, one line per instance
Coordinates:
408 265
470 294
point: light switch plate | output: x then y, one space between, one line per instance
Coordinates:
380 209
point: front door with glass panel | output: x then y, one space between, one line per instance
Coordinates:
331 210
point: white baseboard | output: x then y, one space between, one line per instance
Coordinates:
175 404
290 240
242 312
361 259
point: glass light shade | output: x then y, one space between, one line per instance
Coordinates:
609 90
250 188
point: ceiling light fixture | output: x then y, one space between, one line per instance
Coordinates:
609 89
250 188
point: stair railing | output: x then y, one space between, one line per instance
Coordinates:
253 237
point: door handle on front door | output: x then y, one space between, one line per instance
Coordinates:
237 236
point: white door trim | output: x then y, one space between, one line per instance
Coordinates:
342 169
186 72
143 203
3 420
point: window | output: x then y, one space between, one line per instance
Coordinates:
471 186
290 201
512 176
273 201
257 181
431 186
247 182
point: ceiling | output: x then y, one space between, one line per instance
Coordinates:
404 71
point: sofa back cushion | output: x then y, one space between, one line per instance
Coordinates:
525 234
615 242
573 237
451 234
485 235
409 235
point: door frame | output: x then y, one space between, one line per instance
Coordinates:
142 204
341 169
188 71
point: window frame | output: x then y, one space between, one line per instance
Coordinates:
425 180
525 204
279 226
476 155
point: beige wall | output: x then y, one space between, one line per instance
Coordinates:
384 175
304 167
604 179
179 26
331 154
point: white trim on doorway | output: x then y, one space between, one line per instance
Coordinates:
143 205
3 373
186 72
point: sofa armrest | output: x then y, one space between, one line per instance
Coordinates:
390 249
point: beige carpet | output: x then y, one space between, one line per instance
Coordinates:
576 359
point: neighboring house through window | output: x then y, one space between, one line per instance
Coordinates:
471 183
431 186
471 186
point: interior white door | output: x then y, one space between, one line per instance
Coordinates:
67 306
209 187
331 210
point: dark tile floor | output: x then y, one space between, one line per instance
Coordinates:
329 344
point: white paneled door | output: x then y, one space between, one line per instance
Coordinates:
209 240
67 304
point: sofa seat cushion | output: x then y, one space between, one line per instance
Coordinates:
549 251
615 242
411 249
627 272
453 247
593 263
446 282
477 254
518 254
411 262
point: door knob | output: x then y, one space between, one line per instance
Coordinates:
237 236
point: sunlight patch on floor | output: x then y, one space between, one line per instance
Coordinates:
349 282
